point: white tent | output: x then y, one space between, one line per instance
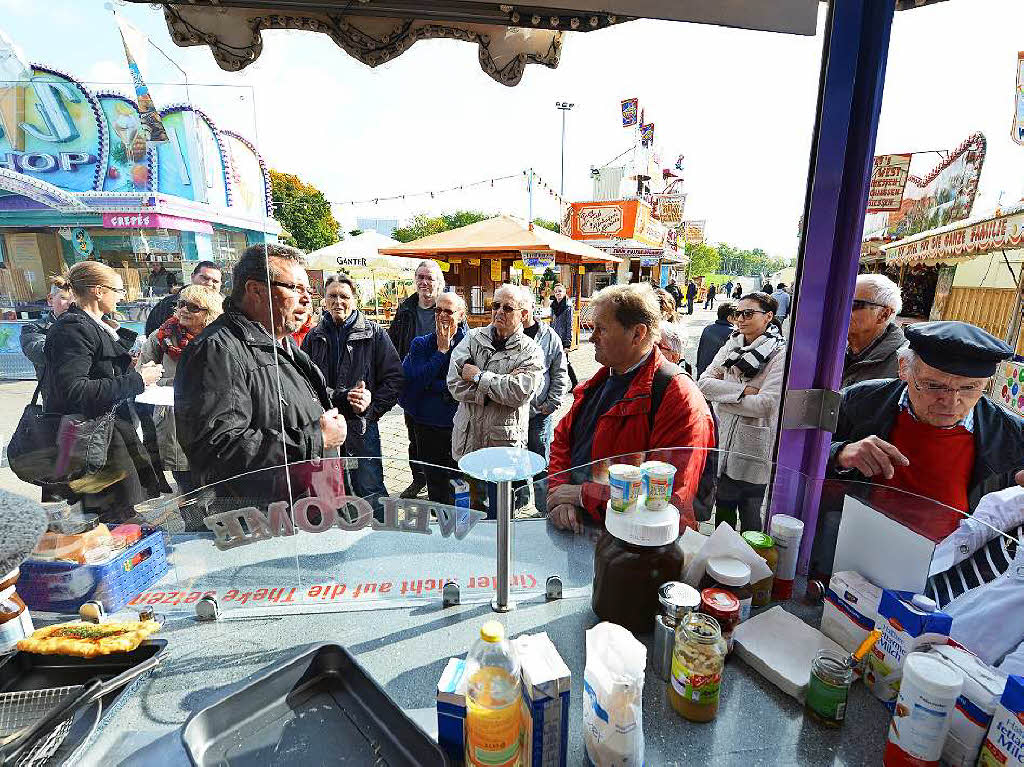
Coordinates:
360 259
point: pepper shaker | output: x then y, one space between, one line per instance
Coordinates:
677 600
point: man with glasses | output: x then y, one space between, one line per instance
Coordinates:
414 318
206 273
493 375
874 339
245 397
426 399
931 432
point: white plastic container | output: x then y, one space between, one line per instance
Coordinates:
978 701
787 532
924 711
659 477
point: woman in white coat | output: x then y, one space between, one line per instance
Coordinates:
744 382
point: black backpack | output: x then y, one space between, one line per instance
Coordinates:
707 487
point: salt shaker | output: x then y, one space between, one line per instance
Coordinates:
677 601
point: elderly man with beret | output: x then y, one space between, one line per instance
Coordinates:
932 432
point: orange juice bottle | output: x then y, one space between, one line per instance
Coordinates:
493 707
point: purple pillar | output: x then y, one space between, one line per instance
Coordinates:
849 101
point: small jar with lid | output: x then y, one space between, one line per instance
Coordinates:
829 687
724 607
677 601
15 620
765 548
697 665
730 575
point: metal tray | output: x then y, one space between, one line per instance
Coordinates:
23 671
320 708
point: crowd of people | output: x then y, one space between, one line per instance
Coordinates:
250 399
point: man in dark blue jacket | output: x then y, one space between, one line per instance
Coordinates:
426 398
714 335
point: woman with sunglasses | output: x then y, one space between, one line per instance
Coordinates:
744 381
89 372
198 306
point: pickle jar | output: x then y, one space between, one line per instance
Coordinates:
764 545
697 666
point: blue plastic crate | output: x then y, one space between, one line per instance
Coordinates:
62 587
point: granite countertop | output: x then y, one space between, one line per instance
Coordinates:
406 648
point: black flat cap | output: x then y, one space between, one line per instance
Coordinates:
957 348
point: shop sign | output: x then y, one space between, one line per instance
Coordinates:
241 527
50 128
961 243
474 262
496 270
539 259
154 221
652 232
647 261
81 241
888 180
693 232
351 261
669 208
604 220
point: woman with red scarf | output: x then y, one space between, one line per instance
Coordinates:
198 306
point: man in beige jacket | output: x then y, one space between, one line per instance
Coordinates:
493 375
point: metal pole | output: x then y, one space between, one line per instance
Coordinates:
529 199
501 603
561 185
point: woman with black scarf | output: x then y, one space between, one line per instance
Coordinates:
561 323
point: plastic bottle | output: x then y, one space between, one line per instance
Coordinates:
493 716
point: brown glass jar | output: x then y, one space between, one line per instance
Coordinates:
627 577
733 576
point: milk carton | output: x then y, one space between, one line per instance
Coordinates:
975 706
451 710
909 623
851 609
545 686
1004 746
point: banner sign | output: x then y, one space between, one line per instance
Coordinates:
888 180
148 113
620 219
647 134
539 259
630 108
154 221
1018 105
693 232
961 243
649 231
669 208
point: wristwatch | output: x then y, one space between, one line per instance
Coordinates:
476 378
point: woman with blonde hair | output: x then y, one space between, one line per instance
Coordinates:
89 373
197 307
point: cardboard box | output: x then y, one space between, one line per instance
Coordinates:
850 610
451 710
545 688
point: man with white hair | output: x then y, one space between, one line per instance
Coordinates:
874 339
671 342
548 397
415 317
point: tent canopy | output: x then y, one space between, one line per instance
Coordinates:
360 257
501 234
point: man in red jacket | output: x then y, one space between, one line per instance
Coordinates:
611 414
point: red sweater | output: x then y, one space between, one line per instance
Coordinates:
941 464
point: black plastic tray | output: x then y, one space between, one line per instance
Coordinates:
29 671
320 708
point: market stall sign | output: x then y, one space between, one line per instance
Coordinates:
539 259
959 244
351 261
613 218
649 230
154 221
496 270
888 180
443 265
669 208
474 262
693 232
241 527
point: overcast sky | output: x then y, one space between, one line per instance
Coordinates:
738 104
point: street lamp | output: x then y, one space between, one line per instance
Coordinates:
564 106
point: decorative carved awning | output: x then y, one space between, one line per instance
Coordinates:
508 36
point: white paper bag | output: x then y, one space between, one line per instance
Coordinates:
613 688
726 542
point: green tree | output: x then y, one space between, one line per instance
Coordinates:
303 211
423 225
704 259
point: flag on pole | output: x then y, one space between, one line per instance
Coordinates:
647 134
15 75
135 47
629 112
1018 113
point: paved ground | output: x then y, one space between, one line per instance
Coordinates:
14 395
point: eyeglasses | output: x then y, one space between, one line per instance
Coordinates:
860 304
334 297
448 312
930 387
507 308
119 291
191 308
745 314
302 290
